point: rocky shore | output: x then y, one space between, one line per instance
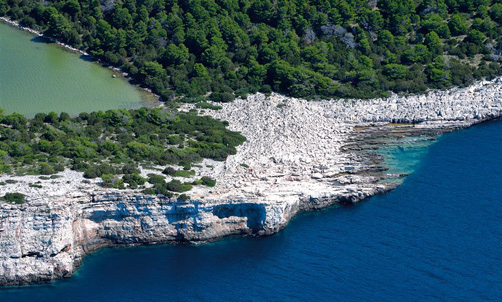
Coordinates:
299 156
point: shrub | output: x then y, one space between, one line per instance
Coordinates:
169 171
208 181
149 191
156 179
46 169
177 186
178 173
134 180
112 142
98 171
16 198
222 97
130 168
92 172
112 181
266 89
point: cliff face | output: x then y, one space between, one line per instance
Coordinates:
299 156
42 241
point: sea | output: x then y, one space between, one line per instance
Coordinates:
437 237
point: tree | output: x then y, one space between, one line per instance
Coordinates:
72 8
395 71
437 72
241 45
346 11
213 56
122 18
386 37
458 25
200 71
175 55
372 20
58 26
496 12
432 22
261 11
106 34
476 37
3 7
433 42
419 54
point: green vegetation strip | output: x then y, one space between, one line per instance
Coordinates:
115 142
304 48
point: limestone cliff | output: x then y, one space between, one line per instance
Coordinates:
299 156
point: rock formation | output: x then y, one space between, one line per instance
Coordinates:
299 156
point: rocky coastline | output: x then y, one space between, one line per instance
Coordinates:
299 156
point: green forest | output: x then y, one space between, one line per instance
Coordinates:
113 144
191 49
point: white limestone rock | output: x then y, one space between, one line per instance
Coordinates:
298 156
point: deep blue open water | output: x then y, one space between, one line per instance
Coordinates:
438 237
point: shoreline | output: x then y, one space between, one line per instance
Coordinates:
300 156
125 75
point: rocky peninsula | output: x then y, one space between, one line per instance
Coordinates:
299 156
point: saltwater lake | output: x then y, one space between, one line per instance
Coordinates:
39 77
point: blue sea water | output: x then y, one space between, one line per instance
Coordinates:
437 237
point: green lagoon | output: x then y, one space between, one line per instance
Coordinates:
36 76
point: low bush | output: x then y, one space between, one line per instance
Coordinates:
208 181
16 198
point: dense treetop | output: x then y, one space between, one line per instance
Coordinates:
340 48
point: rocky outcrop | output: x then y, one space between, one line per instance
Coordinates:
47 240
299 156
44 241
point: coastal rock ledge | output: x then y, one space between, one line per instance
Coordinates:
298 156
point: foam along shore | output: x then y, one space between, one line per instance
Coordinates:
72 49
298 156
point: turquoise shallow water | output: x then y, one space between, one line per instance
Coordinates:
404 155
39 77
437 237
